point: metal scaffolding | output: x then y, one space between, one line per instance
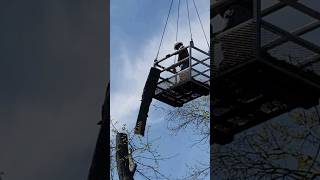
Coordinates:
266 66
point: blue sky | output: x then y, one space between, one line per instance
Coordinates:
136 27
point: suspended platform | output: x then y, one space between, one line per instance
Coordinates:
261 71
176 88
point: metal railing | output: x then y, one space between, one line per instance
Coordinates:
263 34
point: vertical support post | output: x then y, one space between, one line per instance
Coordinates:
212 121
257 20
190 58
155 61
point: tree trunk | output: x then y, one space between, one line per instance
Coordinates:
148 94
125 165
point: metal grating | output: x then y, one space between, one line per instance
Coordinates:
292 53
238 45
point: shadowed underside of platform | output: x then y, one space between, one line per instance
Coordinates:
182 93
257 92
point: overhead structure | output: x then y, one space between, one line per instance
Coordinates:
178 77
263 65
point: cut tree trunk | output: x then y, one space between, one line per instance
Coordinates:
125 165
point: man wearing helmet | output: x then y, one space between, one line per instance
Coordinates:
233 12
237 13
182 55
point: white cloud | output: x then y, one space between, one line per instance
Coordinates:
135 63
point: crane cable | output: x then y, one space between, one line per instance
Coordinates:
178 16
189 20
178 20
201 24
164 30
167 19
